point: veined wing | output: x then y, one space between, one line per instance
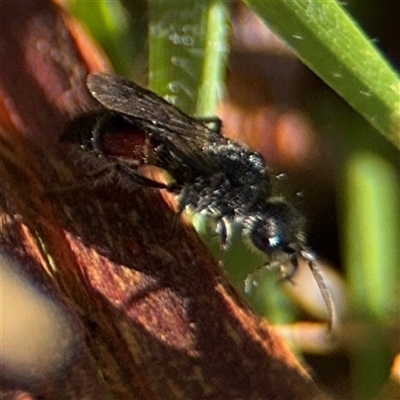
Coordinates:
181 135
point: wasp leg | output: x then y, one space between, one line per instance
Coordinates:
294 263
139 179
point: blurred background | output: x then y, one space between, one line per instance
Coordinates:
327 160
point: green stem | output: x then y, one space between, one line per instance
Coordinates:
327 40
187 43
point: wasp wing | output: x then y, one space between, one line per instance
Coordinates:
181 136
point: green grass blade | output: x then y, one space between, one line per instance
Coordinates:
109 25
187 52
331 44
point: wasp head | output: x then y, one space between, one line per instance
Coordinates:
277 229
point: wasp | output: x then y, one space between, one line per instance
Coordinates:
212 175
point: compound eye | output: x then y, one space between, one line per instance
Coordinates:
265 242
274 242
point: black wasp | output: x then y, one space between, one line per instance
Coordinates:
213 175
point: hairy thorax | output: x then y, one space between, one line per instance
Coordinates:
238 182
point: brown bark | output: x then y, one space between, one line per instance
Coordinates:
158 316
